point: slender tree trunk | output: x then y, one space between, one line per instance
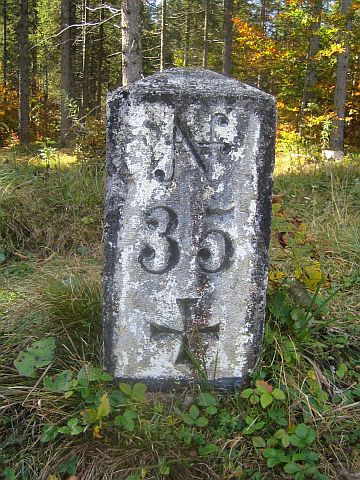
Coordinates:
310 72
262 24
85 61
206 35
187 35
46 96
163 36
66 72
24 69
131 42
336 141
5 43
101 55
228 33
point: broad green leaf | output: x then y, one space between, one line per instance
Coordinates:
249 420
126 388
188 419
130 414
49 433
62 382
292 468
207 400
69 466
258 442
43 351
72 422
270 452
65 430
265 400
38 355
341 371
278 305
283 436
278 394
247 393
117 398
76 430
2 257
138 392
259 425
106 377
278 416
254 399
273 461
209 449
194 411
201 422
25 364
139 388
126 420
302 431
211 410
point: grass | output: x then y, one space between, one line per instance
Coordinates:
50 285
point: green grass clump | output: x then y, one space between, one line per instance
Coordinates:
298 417
49 206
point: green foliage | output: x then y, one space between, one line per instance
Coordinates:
39 354
69 466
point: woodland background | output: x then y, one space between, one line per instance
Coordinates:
61 416
61 57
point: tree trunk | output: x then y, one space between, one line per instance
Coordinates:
163 36
228 30
101 55
310 72
206 34
66 71
336 142
187 35
5 43
131 41
24 80
85 61
262 24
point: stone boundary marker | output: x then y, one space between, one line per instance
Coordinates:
190 156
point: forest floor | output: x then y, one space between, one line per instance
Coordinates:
60 415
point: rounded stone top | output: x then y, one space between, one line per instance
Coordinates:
179 81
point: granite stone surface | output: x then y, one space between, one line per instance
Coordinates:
190 157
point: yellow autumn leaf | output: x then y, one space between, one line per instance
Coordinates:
104 406
276 275
97 432
53 477
311 275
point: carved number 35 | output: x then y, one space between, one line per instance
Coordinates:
163 253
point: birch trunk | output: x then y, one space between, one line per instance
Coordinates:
206 34
336 142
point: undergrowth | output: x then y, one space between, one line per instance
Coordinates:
61 415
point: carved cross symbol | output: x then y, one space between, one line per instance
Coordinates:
188 332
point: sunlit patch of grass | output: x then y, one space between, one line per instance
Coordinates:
49 204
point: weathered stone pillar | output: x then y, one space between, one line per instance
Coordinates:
187 225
